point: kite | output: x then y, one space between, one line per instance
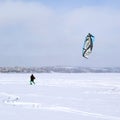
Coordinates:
88 45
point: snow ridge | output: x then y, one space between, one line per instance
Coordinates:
32 105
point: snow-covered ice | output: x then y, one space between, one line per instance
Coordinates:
60 96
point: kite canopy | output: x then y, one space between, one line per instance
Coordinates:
88 45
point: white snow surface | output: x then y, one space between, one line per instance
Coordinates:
60 96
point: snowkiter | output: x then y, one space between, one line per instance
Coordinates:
32 78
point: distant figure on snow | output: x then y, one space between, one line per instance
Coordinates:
32 78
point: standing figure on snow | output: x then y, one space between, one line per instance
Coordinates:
32 78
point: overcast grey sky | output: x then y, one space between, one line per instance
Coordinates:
52 32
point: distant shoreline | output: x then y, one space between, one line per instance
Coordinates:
57 69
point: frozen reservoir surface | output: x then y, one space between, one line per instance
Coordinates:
60 96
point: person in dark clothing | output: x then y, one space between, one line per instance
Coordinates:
32 78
